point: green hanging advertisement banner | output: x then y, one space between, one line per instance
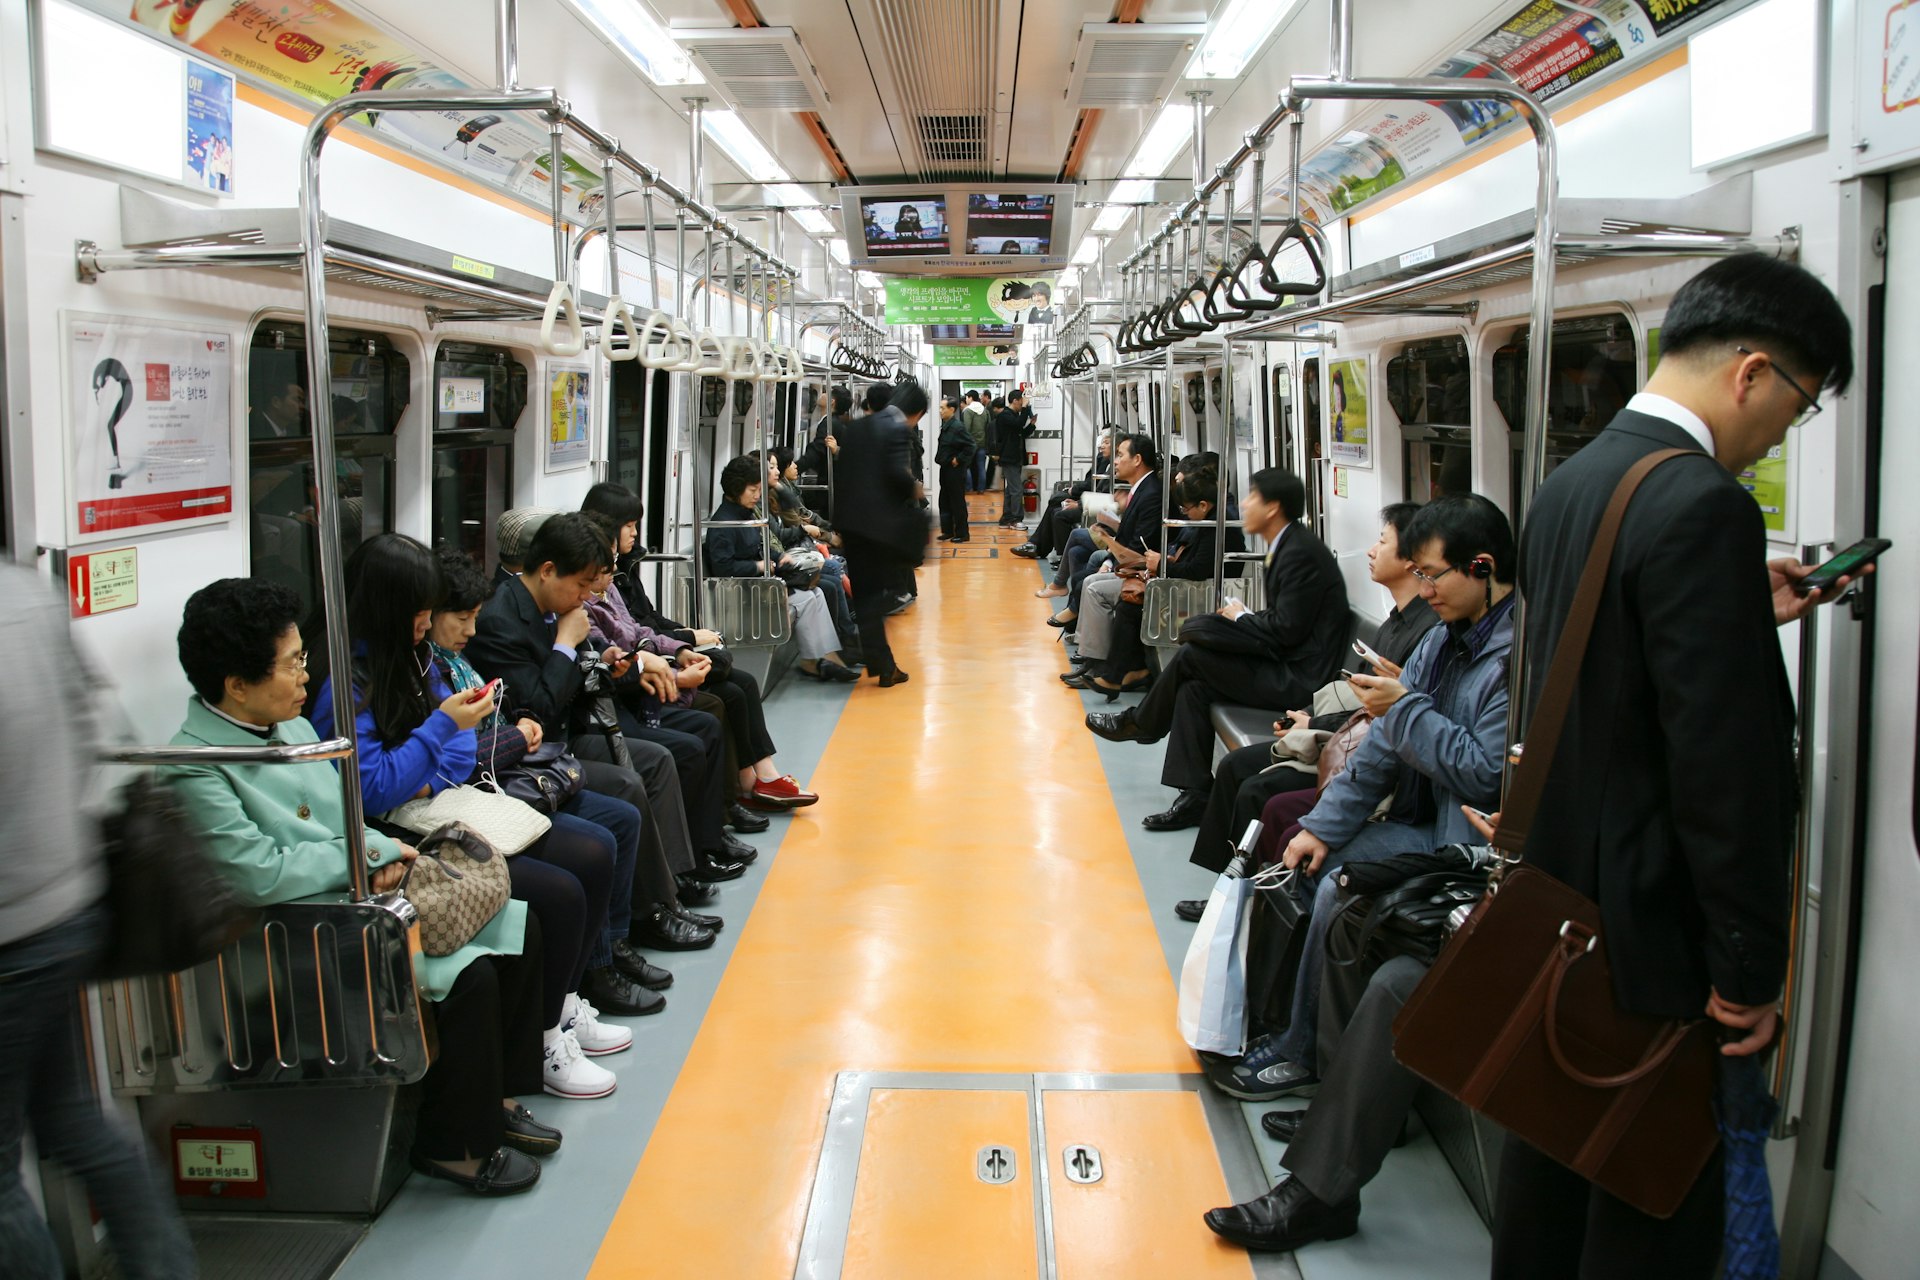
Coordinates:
1000 300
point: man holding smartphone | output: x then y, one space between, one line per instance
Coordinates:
1672 796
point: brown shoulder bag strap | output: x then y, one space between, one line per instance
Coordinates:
1563 676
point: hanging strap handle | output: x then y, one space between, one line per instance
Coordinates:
560 302
1563 676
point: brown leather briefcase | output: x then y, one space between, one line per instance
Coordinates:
1518 1018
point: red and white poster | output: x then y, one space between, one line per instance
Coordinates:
149 426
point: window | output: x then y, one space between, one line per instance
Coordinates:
370 382
479 393
1430 387
638 457
1590 377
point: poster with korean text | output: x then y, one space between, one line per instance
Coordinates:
1349 429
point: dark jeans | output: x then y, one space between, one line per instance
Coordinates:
46 1081
1241 788
589 829
978 471
953 502
879 577
490 1050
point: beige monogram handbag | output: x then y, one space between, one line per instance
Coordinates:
456 885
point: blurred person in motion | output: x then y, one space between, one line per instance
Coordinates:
53 929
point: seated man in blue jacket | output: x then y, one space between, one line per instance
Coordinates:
1438 742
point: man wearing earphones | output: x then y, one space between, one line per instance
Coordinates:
1438 740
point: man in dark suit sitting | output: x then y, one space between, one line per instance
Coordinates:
1672 795
1286 651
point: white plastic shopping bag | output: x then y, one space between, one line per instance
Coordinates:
1213 981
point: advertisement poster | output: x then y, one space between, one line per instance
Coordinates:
1348 431
1000 300
149 426
319 51
569 417
210 127
1768 481
1548 47
950 357
1665 15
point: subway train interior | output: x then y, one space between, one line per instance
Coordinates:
281 278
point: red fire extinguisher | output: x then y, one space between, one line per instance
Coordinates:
1032 489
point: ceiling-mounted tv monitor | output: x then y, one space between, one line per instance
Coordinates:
977 335
910 226
1000 332
933 229
948 332
1000 222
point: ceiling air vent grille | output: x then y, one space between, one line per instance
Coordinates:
756 67
1130 64
954 140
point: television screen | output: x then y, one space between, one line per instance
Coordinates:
995 331
998 223
904 226
947 333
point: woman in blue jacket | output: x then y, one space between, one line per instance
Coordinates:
276 832
415 737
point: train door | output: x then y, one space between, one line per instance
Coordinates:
1429 386
472 462
1591 376
1282 438
371 390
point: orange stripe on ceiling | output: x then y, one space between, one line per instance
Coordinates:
743 12
810 121
1524 138
373 146
944 908
1089 120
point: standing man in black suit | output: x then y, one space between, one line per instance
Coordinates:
955 448
1011 430
1279 655
1671 800
882 531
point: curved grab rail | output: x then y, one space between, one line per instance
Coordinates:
265 753
710 357
658 344
560 302
619 316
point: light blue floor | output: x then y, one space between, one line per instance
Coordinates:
435 1229
1416 1219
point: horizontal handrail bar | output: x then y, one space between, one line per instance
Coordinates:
265 753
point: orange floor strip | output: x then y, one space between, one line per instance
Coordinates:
961 899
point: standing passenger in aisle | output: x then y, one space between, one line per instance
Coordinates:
881 527
956 462
1672 795
1011 429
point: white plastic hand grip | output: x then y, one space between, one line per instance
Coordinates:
766 362
659 348
740 359
619 316
711 361
558 301
689 347
796 364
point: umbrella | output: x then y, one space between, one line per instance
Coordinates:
1745 1111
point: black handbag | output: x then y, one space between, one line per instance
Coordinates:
546 777
168 906
1400 906
1276 941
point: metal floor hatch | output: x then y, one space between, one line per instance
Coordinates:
1057 1176
259 1247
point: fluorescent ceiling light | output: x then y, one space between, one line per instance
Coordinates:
1115 215
1088 253
746 150
837 250
871 280
1166 138
632 29
814 222
1236 36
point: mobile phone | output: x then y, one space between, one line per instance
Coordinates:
1351 675
484 691
1845 564
1481 814
1234 600
1364 650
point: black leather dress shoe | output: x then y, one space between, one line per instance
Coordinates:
713 871
1077 679
741 818
613 992
1282 1125
894 677
1184 812
693 893
1026 551
1190 909
737 850
714 923
523 1133
1114 726
504 1173
638 967
1284 1219
665 930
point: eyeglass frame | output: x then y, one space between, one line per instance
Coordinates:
1814 406
299 661
1433 581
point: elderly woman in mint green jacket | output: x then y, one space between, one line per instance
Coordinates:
277 831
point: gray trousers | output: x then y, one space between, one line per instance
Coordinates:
1099 606
1011 505
1361 1107
813 622
652 787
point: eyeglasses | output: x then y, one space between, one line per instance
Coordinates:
1813 403
294 665
1434 580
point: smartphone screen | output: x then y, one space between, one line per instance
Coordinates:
1852 560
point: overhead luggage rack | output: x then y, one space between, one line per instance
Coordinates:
158 232
1443 277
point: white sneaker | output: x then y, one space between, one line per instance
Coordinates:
596 1038
567 1073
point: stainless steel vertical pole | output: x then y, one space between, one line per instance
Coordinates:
506 45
